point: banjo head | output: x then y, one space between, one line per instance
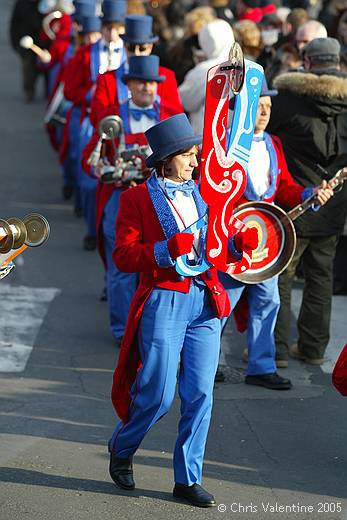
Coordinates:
277 240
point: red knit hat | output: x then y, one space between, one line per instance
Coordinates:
339 376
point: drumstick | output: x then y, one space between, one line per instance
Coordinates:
28 43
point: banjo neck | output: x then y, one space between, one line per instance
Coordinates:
300 209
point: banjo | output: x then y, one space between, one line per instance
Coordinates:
277 236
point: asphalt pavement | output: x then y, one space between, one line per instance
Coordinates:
269 454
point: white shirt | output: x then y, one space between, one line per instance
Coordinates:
186 207
259 166
110 60
143 124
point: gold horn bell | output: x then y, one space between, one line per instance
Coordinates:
33 230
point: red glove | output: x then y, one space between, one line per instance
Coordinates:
180 244
247 239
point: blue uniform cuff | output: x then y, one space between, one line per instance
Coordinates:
306 194
88 96
162 255
232 249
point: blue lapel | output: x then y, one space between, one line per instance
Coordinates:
95 60
162 208
202 210
122 89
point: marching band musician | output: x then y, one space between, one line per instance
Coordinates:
269 180
82 71
110 90
139 113
62 51
173 319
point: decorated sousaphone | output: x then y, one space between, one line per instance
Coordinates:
223 176
277 237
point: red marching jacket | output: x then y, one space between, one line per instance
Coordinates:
105 99
78 81
137 230
339 375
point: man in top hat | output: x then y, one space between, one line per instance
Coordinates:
174 321
61 52
110 90
268 180
309 115
140 112
81 75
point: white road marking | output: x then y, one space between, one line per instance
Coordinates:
338 328
22 311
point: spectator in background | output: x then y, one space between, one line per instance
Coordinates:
183 56
308 31
287 59
330 15
342 33
295 18
270 28
26 20
309 116
249 10
215 40
248 35
223 9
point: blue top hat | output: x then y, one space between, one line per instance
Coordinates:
170 136
114 11
83 8
145 68
138 29
90 24
265 90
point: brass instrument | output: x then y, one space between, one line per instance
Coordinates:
129 162
18 234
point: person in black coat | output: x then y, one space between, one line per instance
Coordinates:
26 20
310 117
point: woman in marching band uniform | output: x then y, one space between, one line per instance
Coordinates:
173 320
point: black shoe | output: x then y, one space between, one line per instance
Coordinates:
89 243
78 212
67 192
103 296
220 376
118 341
271 381
121 472
195 494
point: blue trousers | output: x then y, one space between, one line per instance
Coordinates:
176 330
263 301
87 184
120 286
